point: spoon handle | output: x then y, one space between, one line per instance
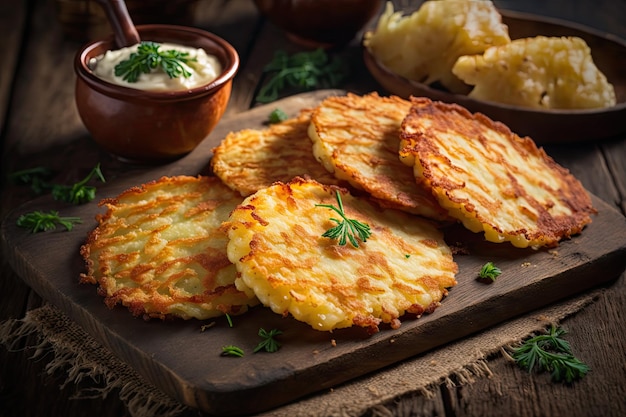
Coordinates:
123 28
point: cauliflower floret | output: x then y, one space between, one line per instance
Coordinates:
540 72
424 45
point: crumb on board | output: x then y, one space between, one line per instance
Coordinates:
207 326
459 248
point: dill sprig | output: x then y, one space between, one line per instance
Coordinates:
549 352
346 229
269 344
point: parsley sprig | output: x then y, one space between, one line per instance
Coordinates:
148 58
39 221
36 178
346 229
80 192
277 116
549 352
489 271
305 71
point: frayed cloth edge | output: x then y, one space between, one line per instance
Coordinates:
32 333
143 399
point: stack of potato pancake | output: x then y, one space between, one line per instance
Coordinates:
268 227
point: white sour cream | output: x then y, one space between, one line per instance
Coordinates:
203 70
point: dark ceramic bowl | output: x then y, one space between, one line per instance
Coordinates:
320 23
544 126
153 127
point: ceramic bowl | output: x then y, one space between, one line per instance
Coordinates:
544 126
320 23
153 127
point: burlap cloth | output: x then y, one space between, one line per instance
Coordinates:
80 357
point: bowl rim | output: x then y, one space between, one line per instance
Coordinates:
229 69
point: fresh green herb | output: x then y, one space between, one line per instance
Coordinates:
269 344
407 255
148 58
229 320
277 116
38 221
346 229
303 70
489 271
80 192
36 178
549 352
231 350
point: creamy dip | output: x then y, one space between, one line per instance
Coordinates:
203 70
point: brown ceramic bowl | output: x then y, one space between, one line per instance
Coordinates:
544 126
153 127
320 23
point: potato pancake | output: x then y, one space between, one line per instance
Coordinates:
159 250
357 139
490 179
251 159
277 246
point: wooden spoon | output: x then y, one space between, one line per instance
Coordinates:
123 27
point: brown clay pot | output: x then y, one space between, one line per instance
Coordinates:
153 127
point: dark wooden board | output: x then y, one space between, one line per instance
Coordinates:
184 361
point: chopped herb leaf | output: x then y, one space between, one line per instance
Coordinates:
232 351
277 116
489 271
38 221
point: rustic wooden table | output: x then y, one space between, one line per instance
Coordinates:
39 126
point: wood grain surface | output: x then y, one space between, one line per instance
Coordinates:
39 125
50 264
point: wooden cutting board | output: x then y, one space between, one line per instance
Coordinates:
184 360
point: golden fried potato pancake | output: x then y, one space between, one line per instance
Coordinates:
357 139
159 250
251 159
277 245
491 179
